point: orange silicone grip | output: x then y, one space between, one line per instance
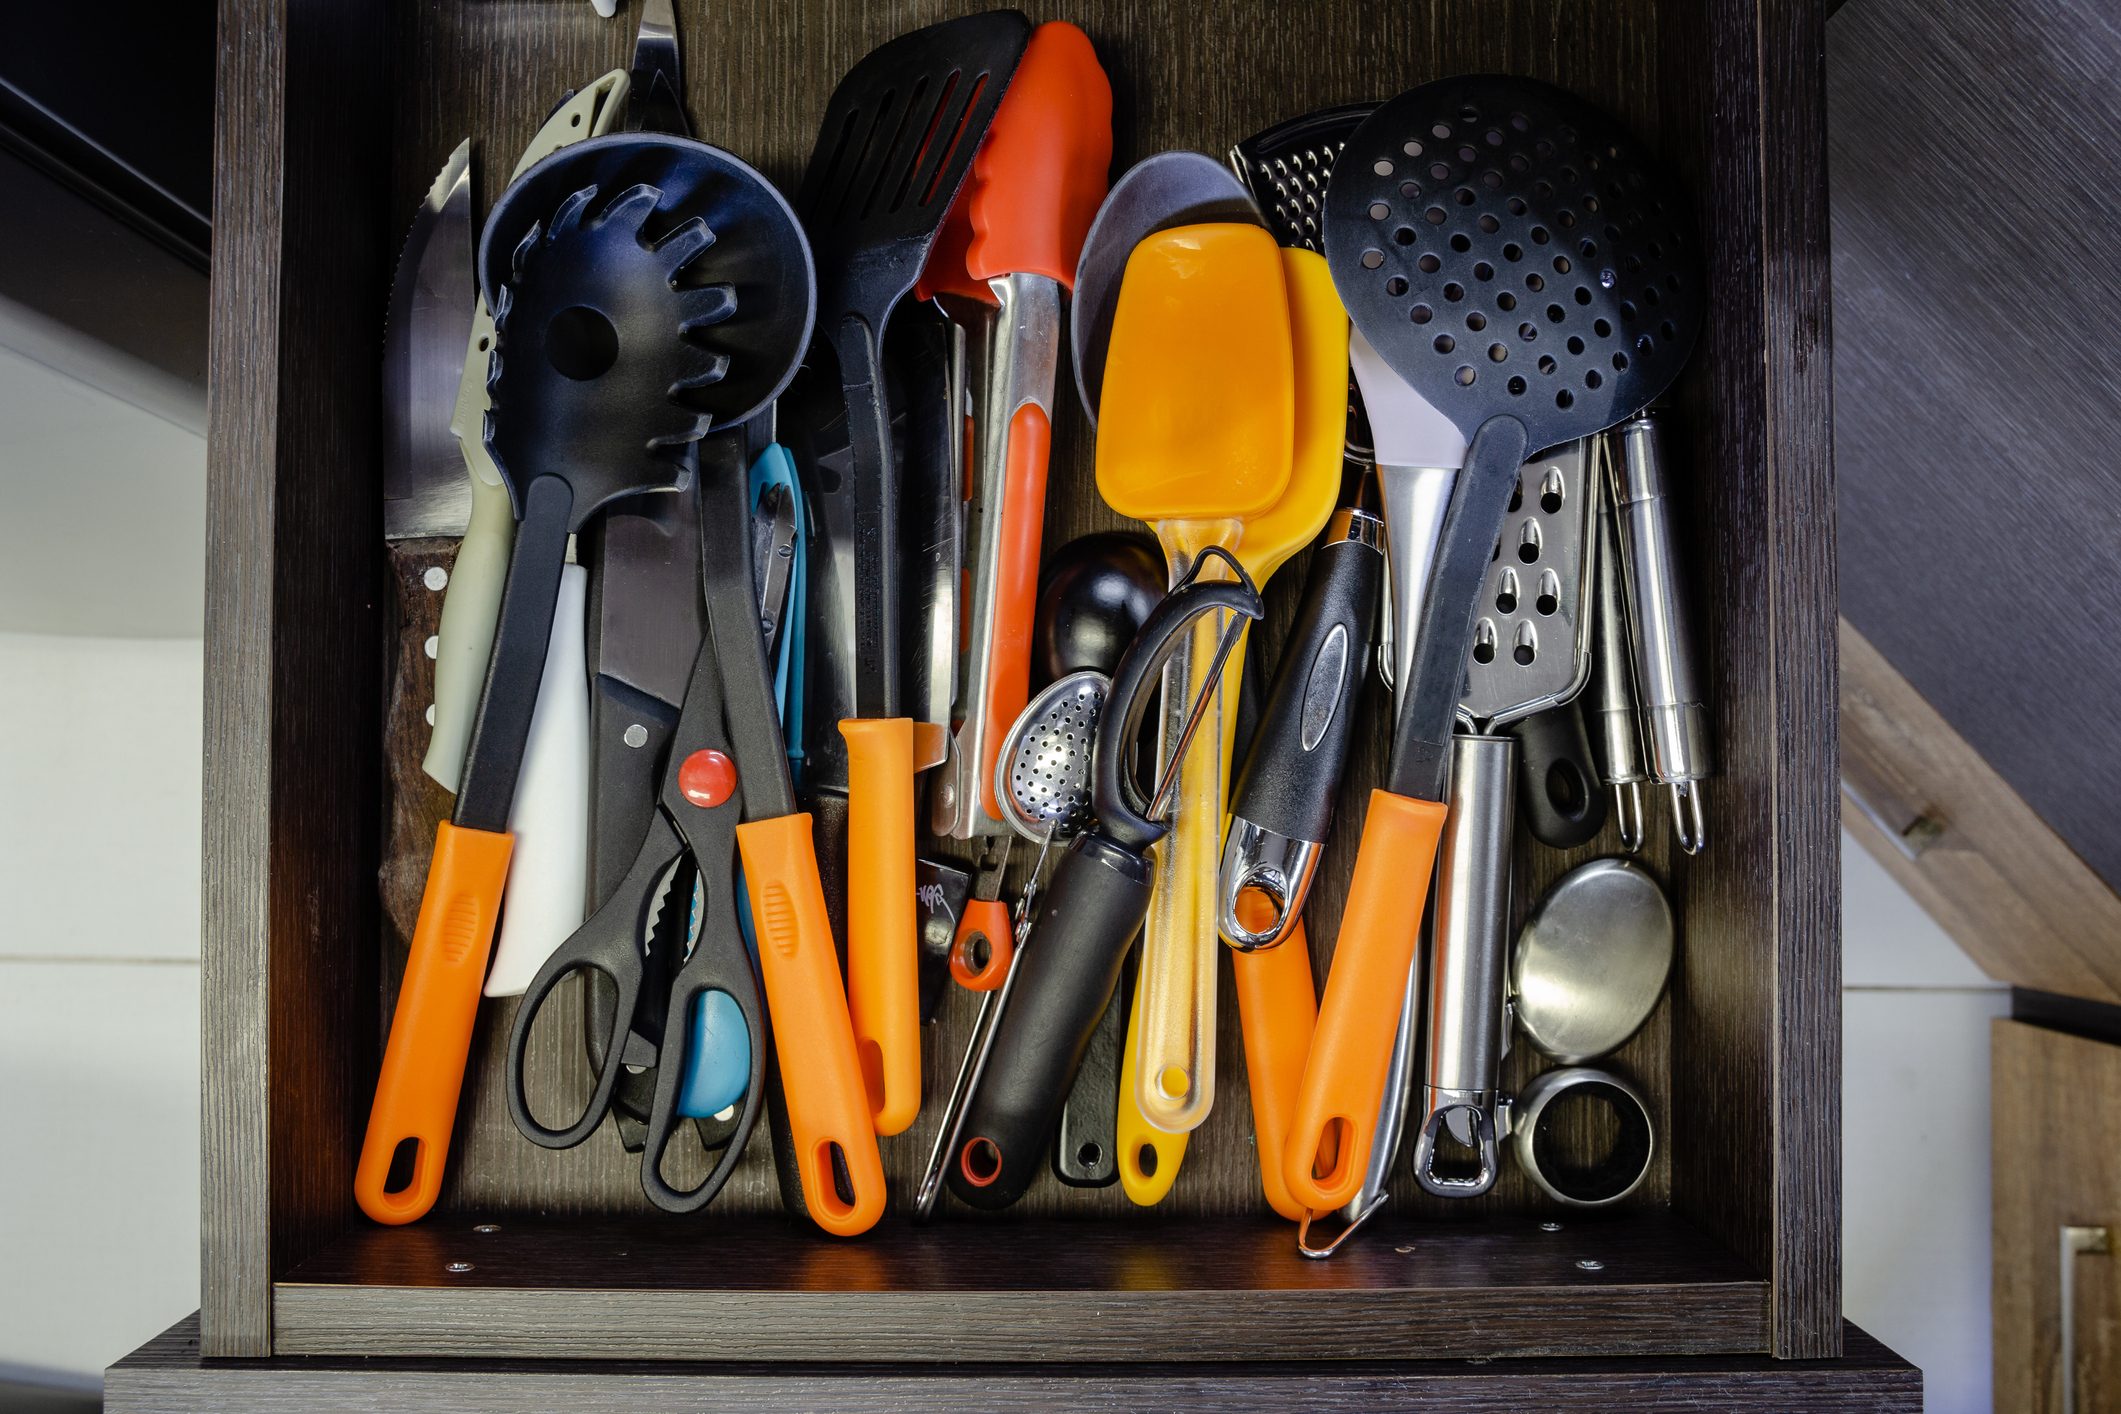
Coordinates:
1278 1003
1328 1147
430 1033
983 918
828 1108
945 272
883 948
1016 586
1041 172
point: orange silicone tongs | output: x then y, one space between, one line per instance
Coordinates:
1004 264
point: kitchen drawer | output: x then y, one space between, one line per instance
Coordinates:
333 117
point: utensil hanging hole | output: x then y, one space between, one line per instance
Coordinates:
1089 1155
1330 1158
980 1162
1567 791
581 343
1145 1160
842 1191
404 1166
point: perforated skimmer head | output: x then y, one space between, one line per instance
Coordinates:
1510 250
1042 772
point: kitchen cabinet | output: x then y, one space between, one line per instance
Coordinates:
1717 1274
2057 1217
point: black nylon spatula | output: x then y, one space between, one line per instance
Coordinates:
898 138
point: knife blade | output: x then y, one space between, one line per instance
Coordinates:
426 329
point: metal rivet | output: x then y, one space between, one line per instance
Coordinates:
487 1227
430 714
1550 1227
1590 1264
436 579
1403 1251
636 736
458 1267
434 644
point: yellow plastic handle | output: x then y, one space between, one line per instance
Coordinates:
1149 1158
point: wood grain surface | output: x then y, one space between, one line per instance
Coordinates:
2010 891
1740 1063
1975 301
2057 1129
1175 1291
167 1376
292 728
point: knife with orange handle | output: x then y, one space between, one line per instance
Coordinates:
1328 1147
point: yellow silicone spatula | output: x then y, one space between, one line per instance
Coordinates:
1196 433
1150 1151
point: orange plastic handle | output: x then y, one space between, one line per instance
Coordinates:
1041 173
883 946
1278 1003
1016 586
430 1033
828 1108
945 272
1327 1151
983 918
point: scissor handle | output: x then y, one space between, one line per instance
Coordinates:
719 965
609 943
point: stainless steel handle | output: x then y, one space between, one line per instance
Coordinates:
1616 726
2075 1242
1466 981
1675 717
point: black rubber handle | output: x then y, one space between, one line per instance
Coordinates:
1066 973
1086 1150
1291 776
1559 793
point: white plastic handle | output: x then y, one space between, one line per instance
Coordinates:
548 872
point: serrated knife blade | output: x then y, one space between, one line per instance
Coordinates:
425 333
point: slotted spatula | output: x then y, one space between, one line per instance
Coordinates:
1521 263
898 137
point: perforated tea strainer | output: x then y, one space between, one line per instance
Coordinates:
1042 782
1522 264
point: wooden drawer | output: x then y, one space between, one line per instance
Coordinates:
333 117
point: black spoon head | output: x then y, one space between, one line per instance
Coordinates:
647 290
1510 250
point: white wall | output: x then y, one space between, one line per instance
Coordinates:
99 995
1915 1136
